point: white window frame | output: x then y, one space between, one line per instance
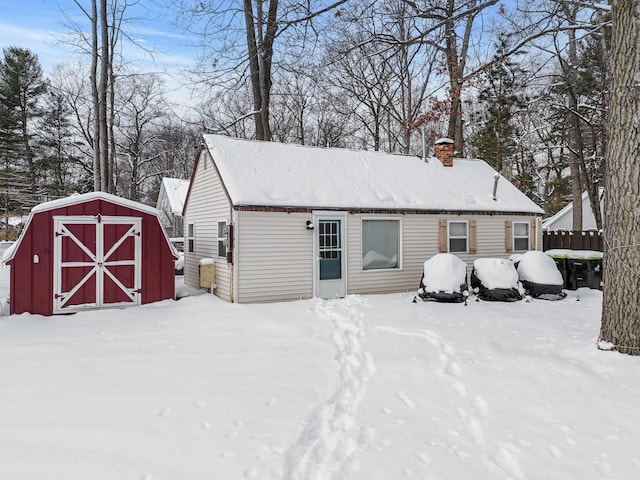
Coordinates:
191 239
528 236
457 237
222 238
400 243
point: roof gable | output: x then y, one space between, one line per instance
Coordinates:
175 191
285 175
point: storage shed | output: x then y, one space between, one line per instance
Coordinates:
90 251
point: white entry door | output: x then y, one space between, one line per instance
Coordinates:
330 253
97 262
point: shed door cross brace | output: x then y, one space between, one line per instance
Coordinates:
100 263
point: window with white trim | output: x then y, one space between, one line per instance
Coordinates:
191 237
222 239
458 236
521 236
380 244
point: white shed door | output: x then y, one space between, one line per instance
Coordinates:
97 262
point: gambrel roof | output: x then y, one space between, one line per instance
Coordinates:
270 174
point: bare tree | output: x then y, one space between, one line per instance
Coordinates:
141 108
245 35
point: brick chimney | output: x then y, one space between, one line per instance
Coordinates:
444 151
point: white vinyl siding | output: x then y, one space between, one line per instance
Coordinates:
274 255
419 243
206 204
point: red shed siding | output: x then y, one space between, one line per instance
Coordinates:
32 283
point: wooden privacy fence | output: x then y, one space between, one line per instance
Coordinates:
574 240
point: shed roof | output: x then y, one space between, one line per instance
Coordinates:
286 175
88 197
175 190
78 198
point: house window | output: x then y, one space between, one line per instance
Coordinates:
191 237
380 244
458 237
520 236
222 239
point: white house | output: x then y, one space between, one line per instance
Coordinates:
285 222
563 219
173 192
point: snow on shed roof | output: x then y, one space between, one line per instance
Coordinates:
176 192
88 197
286 175
83 198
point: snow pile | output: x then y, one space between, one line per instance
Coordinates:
444 272
496 279
537 267
444 279
496 273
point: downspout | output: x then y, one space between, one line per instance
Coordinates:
234 256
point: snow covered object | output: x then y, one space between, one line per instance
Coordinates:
444 279
540 276
496 279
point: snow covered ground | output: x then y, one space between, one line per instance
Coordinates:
367 387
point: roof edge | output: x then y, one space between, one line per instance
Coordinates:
91 196
399 211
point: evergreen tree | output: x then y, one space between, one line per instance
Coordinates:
21 86
502 97
60 163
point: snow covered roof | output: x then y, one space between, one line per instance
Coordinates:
563 219
175 191
83 198
285 175
88 197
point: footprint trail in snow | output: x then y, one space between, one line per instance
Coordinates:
330 444
471 410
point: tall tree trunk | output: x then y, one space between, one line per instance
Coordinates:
620 327
454 130
254 67
575 134
93 77
102 97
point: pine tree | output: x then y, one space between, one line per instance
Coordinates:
59 163
501 97
21 86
